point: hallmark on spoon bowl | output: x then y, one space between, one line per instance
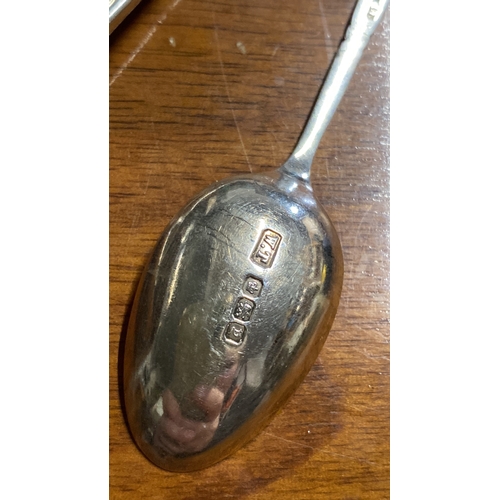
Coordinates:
252 286
235 333
266 248
244 309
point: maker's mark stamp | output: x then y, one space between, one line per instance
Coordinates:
265 251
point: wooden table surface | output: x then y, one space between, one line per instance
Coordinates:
200 90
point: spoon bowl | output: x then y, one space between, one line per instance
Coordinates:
231 312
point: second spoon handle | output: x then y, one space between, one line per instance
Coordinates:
364 21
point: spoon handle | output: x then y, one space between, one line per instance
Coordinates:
364 21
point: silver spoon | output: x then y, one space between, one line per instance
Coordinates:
238 298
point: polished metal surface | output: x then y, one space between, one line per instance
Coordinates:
237 299
235 304
365 19
119 10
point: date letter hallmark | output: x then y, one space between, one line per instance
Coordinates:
235 333
266 248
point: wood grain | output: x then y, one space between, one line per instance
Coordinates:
200 90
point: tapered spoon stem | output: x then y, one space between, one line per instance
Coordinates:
364 21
